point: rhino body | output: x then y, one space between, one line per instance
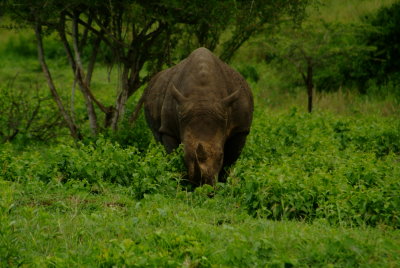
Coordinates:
207 106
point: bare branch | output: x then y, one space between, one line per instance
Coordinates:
135 113
91 28
72 127
107 33
86 32
61 30
81 76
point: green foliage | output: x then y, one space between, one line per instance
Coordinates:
138 136
381 65
95 164
54 224
141 37
386 40
8 245
359 54
308 167
106 205
21 46
317 49
295 166
27 114
308 190
250 73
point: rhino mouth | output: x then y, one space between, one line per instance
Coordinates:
204 167
202 177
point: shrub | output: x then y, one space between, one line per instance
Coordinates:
300 166
95 163
250 73
27 114
138 135
379 68
295 166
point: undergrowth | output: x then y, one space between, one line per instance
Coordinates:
295 166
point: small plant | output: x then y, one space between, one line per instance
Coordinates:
27 114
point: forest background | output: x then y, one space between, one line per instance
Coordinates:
83 182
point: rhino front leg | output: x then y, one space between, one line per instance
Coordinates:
232 149
170 143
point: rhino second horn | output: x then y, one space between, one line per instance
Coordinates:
177 95
228 101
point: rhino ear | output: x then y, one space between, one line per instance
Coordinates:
228 101
177 95
201 153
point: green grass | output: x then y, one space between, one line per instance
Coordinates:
69 225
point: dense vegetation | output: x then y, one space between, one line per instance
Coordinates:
310 189
339 177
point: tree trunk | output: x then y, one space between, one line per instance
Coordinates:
121 99
81 78
71 125
310 86
308 81
135 113
76 74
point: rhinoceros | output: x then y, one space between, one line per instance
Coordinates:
207 106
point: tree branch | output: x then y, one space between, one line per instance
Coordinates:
80 75
72 127
61 30
91 28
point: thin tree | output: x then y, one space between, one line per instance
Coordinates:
310 48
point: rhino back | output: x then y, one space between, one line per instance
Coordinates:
156 100
206 76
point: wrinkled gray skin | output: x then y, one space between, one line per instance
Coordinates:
204 104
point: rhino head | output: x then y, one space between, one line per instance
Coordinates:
203 129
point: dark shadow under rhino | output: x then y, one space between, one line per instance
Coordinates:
204 104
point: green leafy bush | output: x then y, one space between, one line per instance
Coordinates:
95 164
300 166
378 70
27 114
250 73
138 136
294 166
